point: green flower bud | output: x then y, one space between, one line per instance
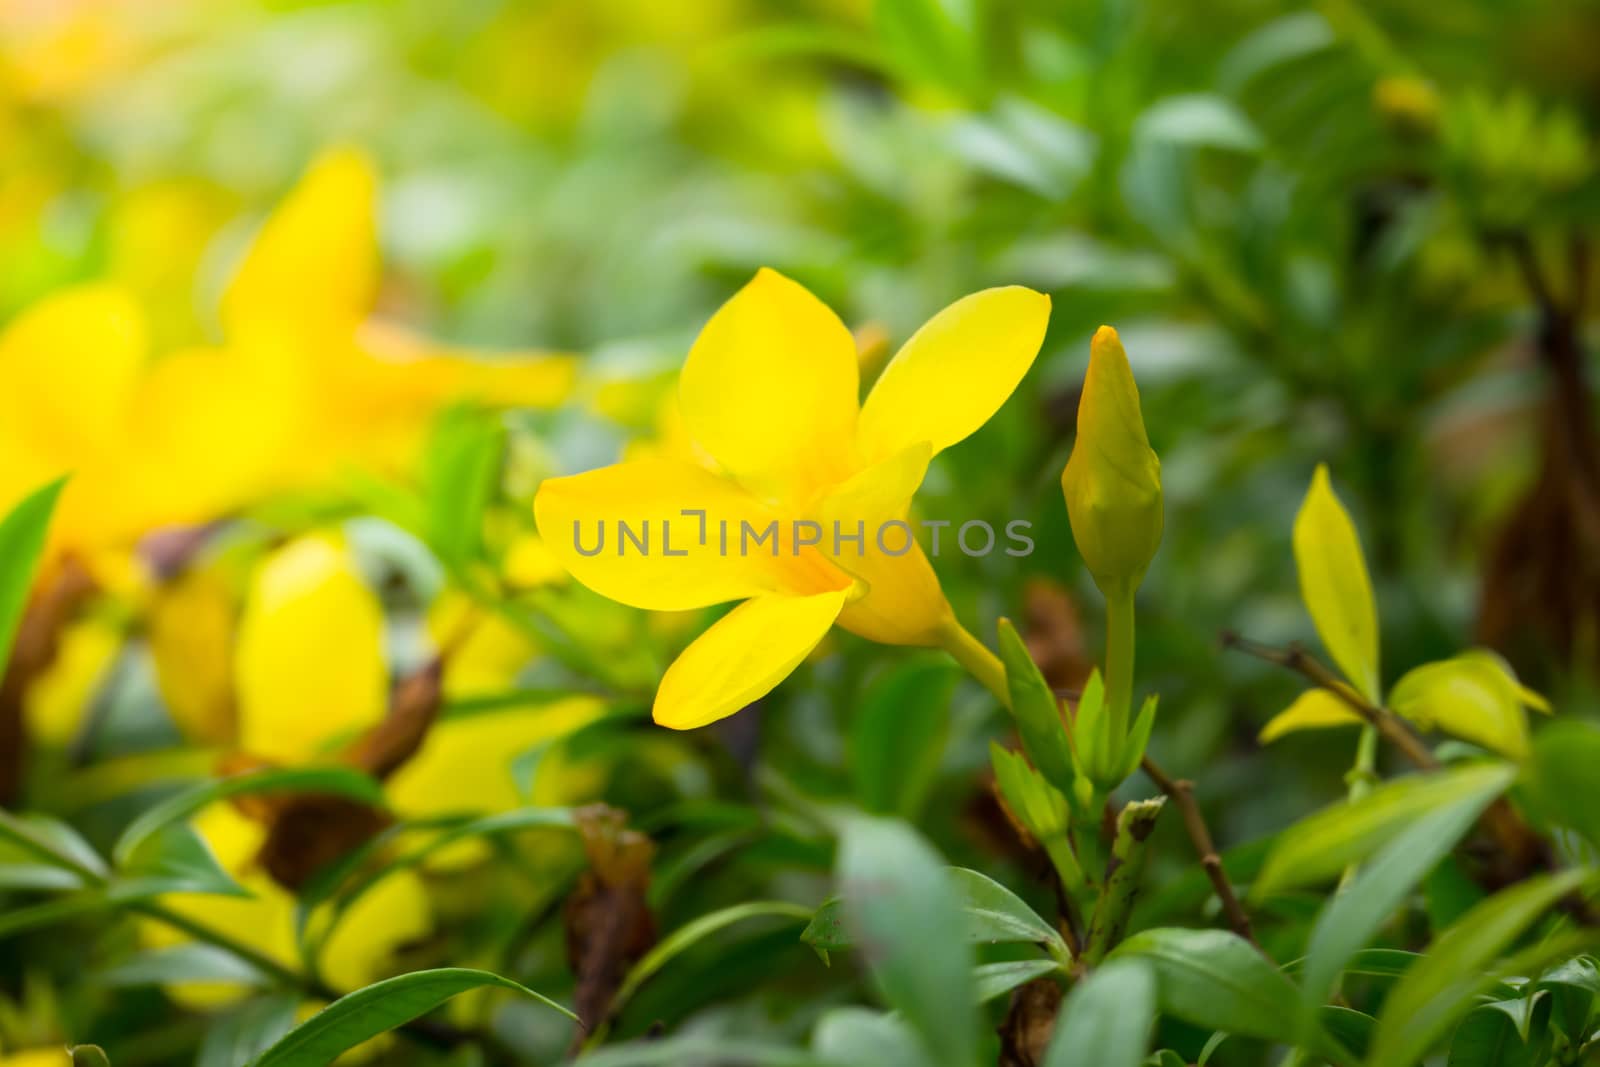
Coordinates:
1112 481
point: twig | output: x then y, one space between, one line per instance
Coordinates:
1181 791
1295 658
1524 848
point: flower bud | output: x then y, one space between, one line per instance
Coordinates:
1112 481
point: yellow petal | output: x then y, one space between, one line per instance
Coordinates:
900 602
1315 709
55 1056
1335 586
529 563
956 371
310 653
581 519
394 913
406 374
313 267
770 388
1473 696
190 629
58 701
743 657
69 365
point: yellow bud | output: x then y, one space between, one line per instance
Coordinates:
1113 480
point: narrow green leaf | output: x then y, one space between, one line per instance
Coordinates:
676 1052
88 1056
343 781
22 540
1036 711
1355 913
696 930
244 1033
898 898
175 859
1439 987
996 979
368 1012
1320 847
1573 986
180 963
1106 1019
52 841
992 914
60 909
856 1035
1215 979
461 466
1333 579
1351 1028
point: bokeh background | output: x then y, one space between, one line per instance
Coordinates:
1341 233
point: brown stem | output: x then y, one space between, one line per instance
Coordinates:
1295 658
1181 791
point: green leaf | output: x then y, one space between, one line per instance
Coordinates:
1037 711
932 41
1216 979
1356 911
341 781
175 859
897 736
461 467
1041 808
52 841
696 930
15 920
1321 846
196 962
1489 1037
992 914
244 1033
996 979
902 905
1351 1028
856 1035
1335 586
1439 988
1199 119
88 1056
1107 1017
1561 783
22 539
1572 986
368 1012
676 1052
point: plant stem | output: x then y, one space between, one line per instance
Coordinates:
1123 874
1194 823
975 658
1119 659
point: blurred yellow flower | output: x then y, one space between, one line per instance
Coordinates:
304 385
770 392
56 1056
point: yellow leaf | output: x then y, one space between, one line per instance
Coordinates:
1473 696
1315 709
1335 586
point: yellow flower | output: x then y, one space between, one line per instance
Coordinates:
56 1056
304 385
770 392
1112 481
